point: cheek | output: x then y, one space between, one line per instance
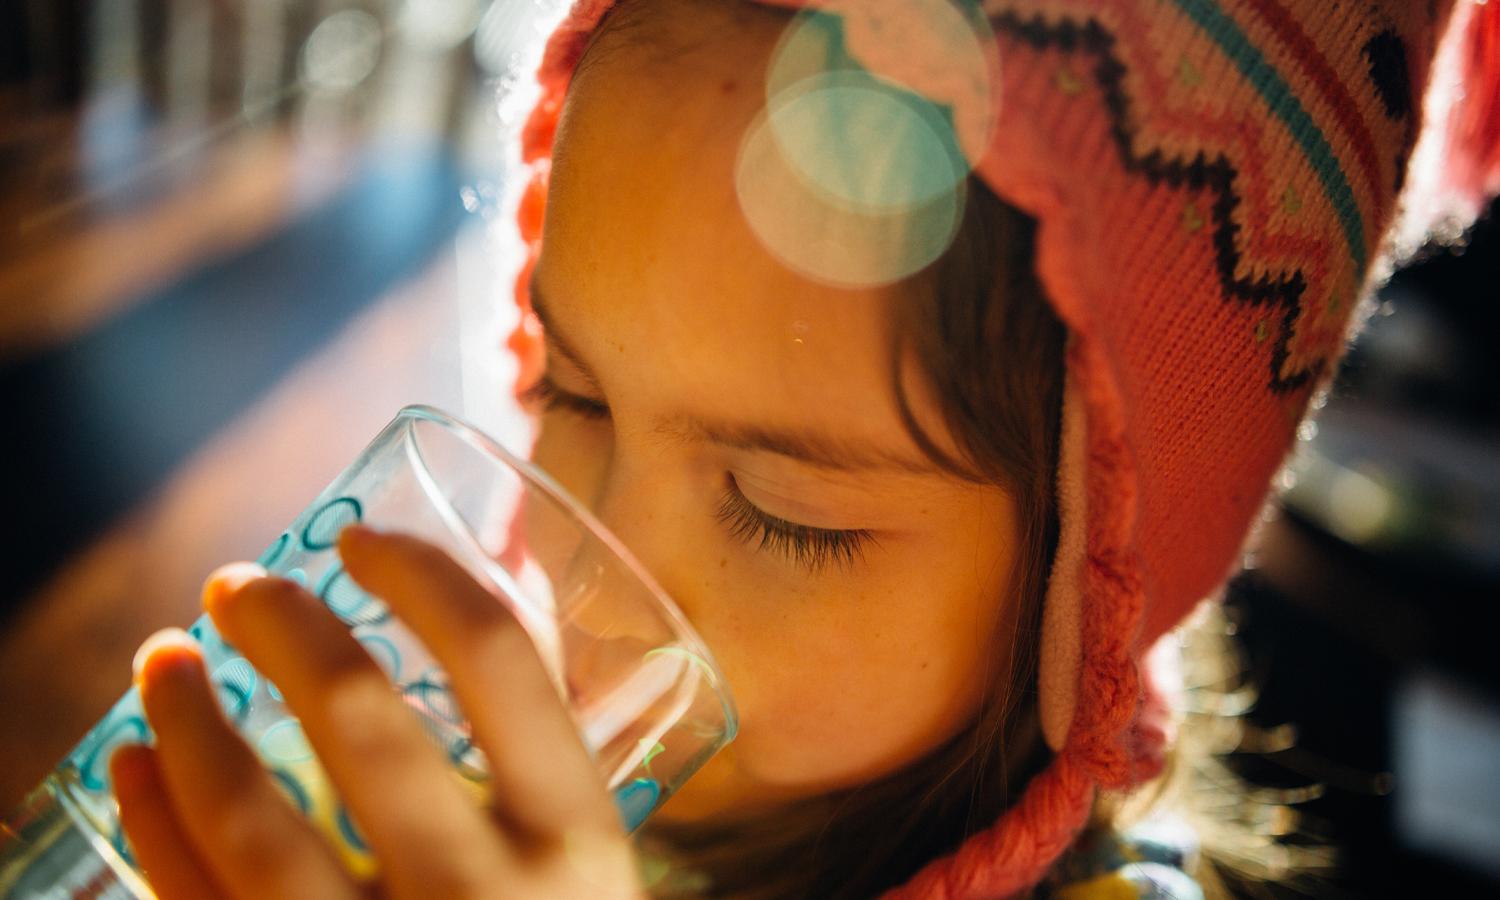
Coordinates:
833 697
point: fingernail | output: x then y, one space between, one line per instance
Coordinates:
166 637
227 579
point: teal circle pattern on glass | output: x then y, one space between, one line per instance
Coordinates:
349 832
441 719
273 552
636 799
431 692
293 790
322 531
235 681
210 642
384 653
93 771
122 847
285 743
468 760
352 605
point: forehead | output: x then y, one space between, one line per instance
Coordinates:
645 242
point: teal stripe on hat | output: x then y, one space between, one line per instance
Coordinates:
1279 97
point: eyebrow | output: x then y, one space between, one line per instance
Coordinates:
825 451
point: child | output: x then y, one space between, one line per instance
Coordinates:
937 364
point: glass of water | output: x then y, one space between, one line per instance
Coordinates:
646 695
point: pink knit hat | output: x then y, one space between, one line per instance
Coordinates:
1214 181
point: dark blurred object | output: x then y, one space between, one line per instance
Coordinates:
195 196
1366 616
42 51
1405 459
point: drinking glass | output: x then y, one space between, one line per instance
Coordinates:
645 693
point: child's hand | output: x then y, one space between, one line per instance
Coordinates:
206 820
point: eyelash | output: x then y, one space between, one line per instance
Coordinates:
551 397
811 548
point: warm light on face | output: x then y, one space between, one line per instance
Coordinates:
708 371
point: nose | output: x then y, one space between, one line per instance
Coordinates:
601 604
632 502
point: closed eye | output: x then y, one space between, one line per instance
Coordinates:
809 547
549 396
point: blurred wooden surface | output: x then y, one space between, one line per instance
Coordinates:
66 657
85 267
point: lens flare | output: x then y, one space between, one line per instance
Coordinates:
941 50
855 173
849 182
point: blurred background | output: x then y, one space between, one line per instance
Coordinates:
236 236
1362 612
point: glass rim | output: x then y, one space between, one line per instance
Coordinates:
483 442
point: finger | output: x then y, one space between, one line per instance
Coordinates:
427 833
161 847
251 838
550 784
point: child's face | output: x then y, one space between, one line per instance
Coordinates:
681 324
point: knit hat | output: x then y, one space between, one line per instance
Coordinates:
1214 182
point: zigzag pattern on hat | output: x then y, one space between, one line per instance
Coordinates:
1174 123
